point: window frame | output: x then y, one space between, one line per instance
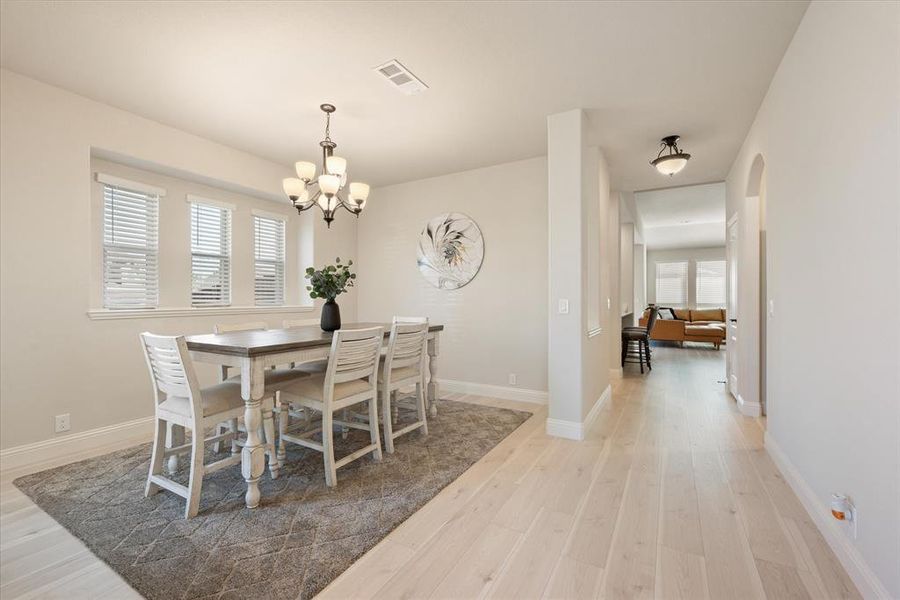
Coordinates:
152 195
685 283
224 256
280 299
697 266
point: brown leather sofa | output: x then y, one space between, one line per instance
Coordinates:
697 325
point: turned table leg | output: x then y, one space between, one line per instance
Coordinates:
253 455
433 388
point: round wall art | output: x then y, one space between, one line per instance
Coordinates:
450 251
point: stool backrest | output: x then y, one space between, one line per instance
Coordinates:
253 326
406 346
354 355
171 369
651 320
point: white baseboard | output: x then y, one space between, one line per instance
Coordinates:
853 562
493 391
748 409
573 430
65 449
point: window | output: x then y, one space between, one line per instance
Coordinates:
671 284
210 255
710 283
268 235
130 247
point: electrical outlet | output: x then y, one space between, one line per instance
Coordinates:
771 308
563 306
608 303
512 379
62 423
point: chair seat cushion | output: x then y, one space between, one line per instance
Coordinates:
634 334
398 374
217 399
312 368
314 387
278 378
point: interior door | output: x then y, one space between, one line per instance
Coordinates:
731 347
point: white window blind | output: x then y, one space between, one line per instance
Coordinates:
268 236
210 255
671 284
130 248
711 283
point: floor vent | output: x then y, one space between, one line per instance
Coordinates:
401 78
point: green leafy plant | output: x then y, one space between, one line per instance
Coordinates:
330 281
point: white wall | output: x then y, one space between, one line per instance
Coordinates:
583 219
495 325
692 255
55 359
829 134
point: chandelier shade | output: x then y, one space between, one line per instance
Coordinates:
674 161
307 190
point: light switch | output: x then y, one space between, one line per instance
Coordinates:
563 306
608 303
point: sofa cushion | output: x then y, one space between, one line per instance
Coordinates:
708 314
683 314
710 332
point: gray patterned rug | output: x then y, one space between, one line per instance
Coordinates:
301 537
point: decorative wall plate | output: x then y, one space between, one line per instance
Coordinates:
450 251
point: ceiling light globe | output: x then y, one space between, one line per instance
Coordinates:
329 184
293 187
359 192
670 165
305 170
336 165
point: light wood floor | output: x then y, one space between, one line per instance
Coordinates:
670 496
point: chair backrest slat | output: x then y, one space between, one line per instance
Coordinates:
407 345
354 354
171 369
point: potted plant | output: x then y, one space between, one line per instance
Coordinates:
329 282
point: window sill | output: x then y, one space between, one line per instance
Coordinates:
105 314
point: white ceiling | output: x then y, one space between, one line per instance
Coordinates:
252 74
683 217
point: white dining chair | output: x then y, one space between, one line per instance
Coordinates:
350 378
180 401
403 365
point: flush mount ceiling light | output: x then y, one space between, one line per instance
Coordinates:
330 183
674 161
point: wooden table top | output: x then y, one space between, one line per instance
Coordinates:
271 341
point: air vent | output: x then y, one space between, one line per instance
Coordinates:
399 77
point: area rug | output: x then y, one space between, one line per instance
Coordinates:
301 537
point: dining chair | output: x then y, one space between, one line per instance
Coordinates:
180 401
403 365
350 378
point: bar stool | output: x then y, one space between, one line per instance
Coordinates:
636 342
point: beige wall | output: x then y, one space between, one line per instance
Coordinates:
829 133
54 358
495 325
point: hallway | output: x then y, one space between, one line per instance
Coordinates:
672 496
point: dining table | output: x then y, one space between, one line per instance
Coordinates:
252 352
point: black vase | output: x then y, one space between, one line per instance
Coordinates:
331 316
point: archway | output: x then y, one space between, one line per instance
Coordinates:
753 304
